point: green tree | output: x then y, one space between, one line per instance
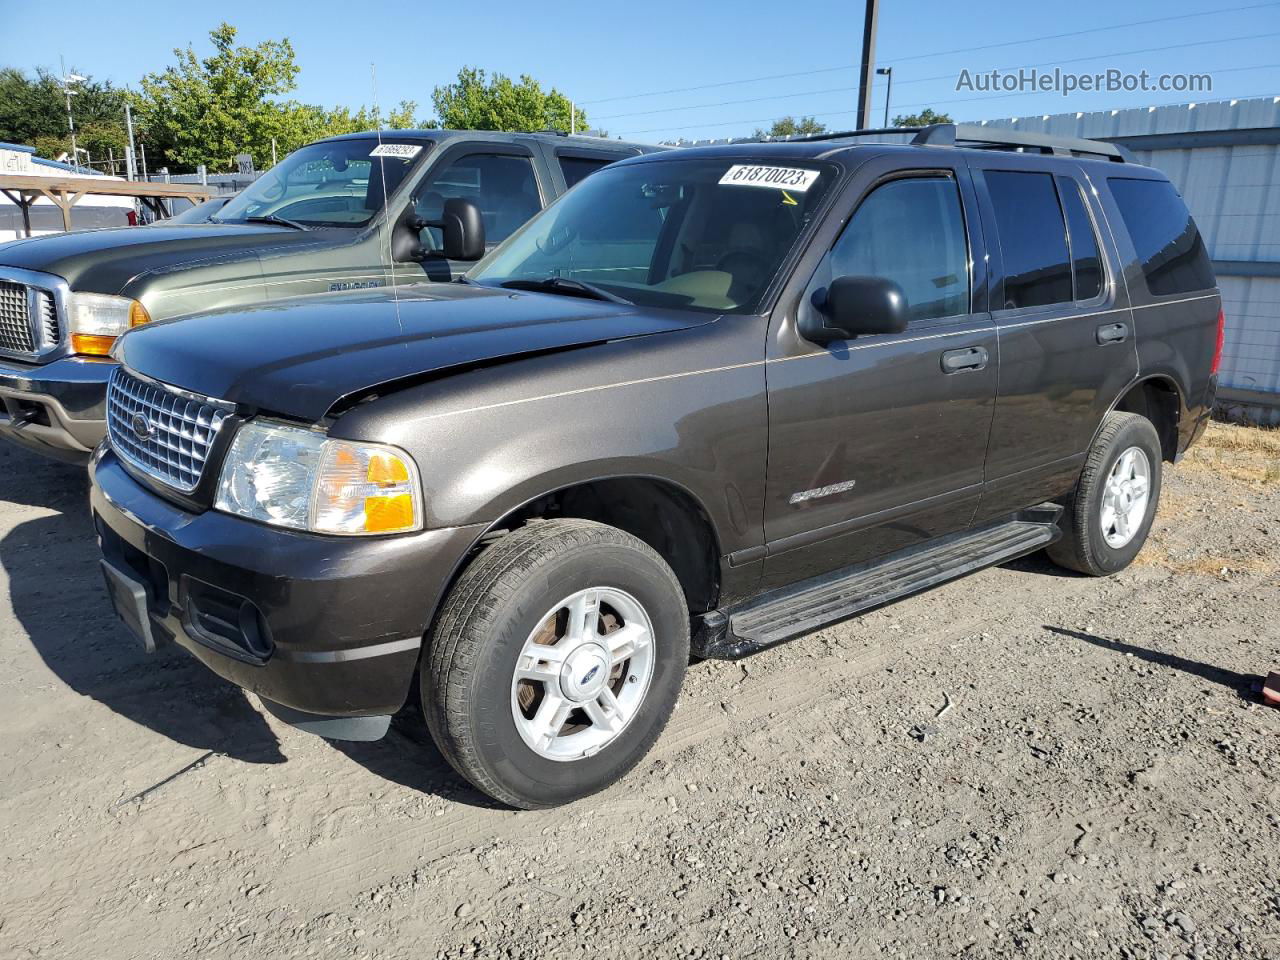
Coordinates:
33 111
477 101
791 127
921 119
208 110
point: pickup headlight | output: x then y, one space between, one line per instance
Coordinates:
97 319
293 477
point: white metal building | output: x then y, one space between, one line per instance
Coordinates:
1224 157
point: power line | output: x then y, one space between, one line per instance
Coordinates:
928 103
940 53
945 76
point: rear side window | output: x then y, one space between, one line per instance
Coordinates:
1033 238
503 187
1165 237
912 232
1085 263
579 168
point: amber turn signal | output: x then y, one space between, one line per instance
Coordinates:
92 345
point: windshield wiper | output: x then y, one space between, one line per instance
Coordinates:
272 218
572 288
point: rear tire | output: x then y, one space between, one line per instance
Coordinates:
525 692
1109 514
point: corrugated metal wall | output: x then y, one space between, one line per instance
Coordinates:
1224 157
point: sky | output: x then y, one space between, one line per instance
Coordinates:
662 70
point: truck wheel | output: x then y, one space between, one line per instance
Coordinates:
1109 515
555 662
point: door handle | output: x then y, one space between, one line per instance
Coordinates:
1113 333
968 358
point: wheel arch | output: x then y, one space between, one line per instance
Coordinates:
663 513
1159 400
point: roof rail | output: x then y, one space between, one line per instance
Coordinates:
1000 138
984 138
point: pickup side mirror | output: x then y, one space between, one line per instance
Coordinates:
461 224
855 307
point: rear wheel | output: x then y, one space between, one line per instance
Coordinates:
1110 513
555 662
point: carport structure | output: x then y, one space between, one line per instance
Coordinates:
67 191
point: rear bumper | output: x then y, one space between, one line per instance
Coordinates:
57 408
324 627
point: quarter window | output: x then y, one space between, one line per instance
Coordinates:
1085 263
502 186
1165 237
579 168
1033 238
911 231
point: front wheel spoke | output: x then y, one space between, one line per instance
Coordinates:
584 617
605 711
551 716
1138 486
626 642
540 662
1122 523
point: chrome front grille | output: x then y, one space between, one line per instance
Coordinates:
165 432
47 316
16 333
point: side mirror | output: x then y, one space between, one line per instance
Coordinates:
856 307
461 224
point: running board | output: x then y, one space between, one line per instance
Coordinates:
812 604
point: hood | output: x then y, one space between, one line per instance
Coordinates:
299 358
103 261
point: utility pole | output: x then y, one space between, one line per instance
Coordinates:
867 74
131 156
67 80
887 73
573 118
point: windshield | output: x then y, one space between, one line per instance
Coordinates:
696 234
339 183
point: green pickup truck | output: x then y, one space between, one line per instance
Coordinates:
344 213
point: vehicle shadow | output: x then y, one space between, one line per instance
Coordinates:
1242 683
56 591
408 756
1040 563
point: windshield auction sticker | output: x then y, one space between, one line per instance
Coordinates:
776 178
398 151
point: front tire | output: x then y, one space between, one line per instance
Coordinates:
1109 514
555 662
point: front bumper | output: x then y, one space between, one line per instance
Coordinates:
323 627
57 408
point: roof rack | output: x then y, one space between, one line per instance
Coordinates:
989 138
1000 138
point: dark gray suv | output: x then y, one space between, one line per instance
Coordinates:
352 212
709 401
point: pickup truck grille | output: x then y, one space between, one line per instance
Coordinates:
30 321
16 333
164 432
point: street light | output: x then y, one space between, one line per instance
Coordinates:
888 88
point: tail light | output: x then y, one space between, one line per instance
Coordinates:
1217 350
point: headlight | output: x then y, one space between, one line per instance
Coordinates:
97 319
298 478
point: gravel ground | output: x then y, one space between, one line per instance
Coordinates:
1021 763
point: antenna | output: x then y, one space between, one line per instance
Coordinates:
386 211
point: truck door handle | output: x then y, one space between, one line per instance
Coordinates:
968 358
1113 333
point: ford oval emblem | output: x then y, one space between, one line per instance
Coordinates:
590 673
141 426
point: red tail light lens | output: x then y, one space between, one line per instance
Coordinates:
1217 350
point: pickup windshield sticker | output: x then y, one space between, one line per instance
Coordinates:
397 151
776 178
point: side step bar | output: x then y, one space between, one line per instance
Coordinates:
819 602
